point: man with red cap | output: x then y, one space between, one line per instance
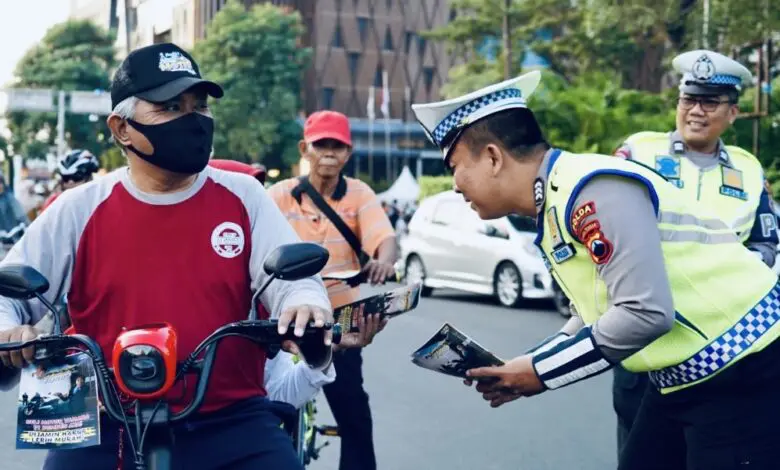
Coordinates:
362 239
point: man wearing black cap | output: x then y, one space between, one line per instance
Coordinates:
727 179
169 239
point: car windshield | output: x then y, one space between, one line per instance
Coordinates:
522 223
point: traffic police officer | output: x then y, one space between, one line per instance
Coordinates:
727 179
661 284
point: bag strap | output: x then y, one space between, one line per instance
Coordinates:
305 186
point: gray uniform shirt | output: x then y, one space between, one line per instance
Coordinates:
641 307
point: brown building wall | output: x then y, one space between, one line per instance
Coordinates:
354 41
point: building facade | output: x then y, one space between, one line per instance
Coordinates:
359 47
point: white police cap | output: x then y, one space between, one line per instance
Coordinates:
443 121
706 73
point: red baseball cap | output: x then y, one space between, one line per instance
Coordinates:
327 125
238 167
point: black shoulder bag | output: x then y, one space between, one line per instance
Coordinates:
305 186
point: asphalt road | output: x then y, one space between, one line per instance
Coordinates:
427 420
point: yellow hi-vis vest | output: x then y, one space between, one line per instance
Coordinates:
731 189
727 301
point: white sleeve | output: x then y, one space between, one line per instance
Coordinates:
269 230
294 383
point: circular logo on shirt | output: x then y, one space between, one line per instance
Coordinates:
228 239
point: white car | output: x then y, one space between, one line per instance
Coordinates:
449 246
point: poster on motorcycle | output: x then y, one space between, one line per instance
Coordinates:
388 304
58 405
453 353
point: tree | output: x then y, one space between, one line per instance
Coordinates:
74 55
256 56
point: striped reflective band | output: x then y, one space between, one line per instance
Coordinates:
698 237
676 218
727 347
548 343
745 219
570 360
723 233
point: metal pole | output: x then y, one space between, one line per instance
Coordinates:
371 148
388 167
757 104
705 27
61 124
507 42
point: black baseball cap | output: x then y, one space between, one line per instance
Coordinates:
158 73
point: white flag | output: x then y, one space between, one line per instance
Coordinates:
370 107
385 107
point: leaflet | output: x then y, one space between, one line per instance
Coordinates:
453 353
58 405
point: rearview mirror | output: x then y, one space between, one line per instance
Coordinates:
18 281
296 261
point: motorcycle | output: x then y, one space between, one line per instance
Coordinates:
143 362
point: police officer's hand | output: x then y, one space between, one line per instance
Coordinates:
19 334
369 326
517 378
302 315
378 272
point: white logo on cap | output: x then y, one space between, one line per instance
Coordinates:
703 69
175 62
228 239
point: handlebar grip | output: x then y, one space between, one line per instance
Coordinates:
15 346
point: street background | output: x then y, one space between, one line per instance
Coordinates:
427 420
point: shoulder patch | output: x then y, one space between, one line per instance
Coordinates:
539 192
599 247
579 215
587 229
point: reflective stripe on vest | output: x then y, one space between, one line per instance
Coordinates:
739 214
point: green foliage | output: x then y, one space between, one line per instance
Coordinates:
377 185
112 159
609 62
430 185
74 55
257 58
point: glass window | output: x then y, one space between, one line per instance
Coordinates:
447 213
327 98
522 223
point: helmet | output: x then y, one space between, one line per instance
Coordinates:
77 165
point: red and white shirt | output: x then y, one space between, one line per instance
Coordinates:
191 258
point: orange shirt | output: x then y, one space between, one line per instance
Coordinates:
360 209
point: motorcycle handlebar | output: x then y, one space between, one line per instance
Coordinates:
262 332
357 279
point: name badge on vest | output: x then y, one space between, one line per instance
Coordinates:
562 251
732 183
669 167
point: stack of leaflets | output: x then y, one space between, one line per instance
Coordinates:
453 353
58 405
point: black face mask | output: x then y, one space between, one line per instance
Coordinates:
181 146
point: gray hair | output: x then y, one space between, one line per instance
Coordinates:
126 108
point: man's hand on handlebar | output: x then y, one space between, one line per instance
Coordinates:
378 272
302 315
369 326
18 334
